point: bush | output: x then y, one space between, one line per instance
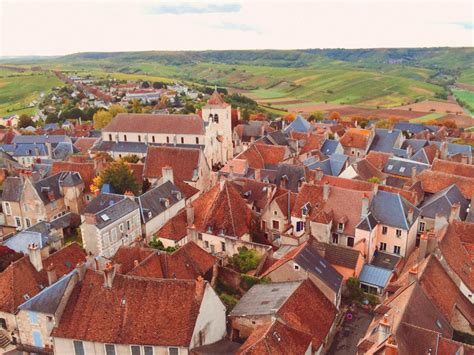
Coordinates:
156 243
248 281
353 292
245 260
229 301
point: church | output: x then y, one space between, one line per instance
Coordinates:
132 133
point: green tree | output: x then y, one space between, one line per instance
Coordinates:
52 118
374 180
158 85
245 260
25 121
316 116
131 158
353 292
120 178
136 106
115 109
156 243
102 119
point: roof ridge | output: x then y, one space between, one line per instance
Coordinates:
230 209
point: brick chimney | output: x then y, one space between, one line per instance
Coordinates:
189 214
454 213
413 174
444 150
326 191
258 175
410 214
200 286
52 277
319 174
34 254
81 270
365 207
167 174
423 248
109 275
391 347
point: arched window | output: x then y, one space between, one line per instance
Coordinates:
210 117
216 118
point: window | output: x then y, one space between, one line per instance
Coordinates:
350 242
223 246
299 226
3 323
197 140
27 222
18 221
121 227
33 317
206 244
335 238
340 227
173 351
135 349
200 236
296 266
139 138
421 227
384 230
167 139
88 198
182 140
396 250
128 225
148 350
37 341
109 349
110 137
275 224
124 137
8 209
106 238
398 233
78 347
216 118
153 139
383 246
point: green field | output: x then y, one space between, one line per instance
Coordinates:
465 98
17 90
428 117
467 76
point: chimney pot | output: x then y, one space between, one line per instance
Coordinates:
189 214
326 191
34 254
52 277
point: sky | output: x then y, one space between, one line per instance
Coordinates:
55 27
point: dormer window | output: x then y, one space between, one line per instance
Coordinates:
340 227
296 266
305 209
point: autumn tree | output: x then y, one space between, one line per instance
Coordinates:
101 119
334 115
25 121
136 106
290 117
116 109
316 116
120 177
449 124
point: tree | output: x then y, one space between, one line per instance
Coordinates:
353 292
189 108
145 85
374 180
334 115
115 109
136 107
25 121
259 116
290 117
75 113
158 85
245 260
52 118
102 119
131 158
156 243
316 116
449 124
119 176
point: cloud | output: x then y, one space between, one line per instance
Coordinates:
466 25
195 8
233 26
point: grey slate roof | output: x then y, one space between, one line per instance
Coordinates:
414 127
373 275
420 156
109 207
399 152
329 146
265 299
48 300
368 223
442 201
385 139
153 201
20 241
294 175
310 260
275 138
392 209
403 167
30 150
454 149
24 139
133 147
416 144
298 125
332 166
385 260
12 189
52 184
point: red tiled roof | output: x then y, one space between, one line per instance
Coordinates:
453 168
276 338
284 259
20 278
66 259
216 100
308 193
258 155
355 138
123 313
378 159
284 201
83 144
222 209
87 170
434 181
184 162
156 123
295 312
127 255
175 228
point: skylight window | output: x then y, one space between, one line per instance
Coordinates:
390 167
402 169
104 217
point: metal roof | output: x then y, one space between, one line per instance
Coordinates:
374 276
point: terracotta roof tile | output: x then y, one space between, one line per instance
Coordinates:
84 144
155 123
435 181
356 138
66 259
115 315
453 168
87 170
175 228
127 255
184 161
258 155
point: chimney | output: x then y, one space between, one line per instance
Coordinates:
454 213
375 188
432 242
384 328
423 248
221 184
52 277
200 285
365 207
34 253
413 174
81 270
109 274
326 190
413 274
189 214
444 150
411 211
167 174
409 151
129 194
391 347
258 175
464 159
90 261
319 174
135 263
231 173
